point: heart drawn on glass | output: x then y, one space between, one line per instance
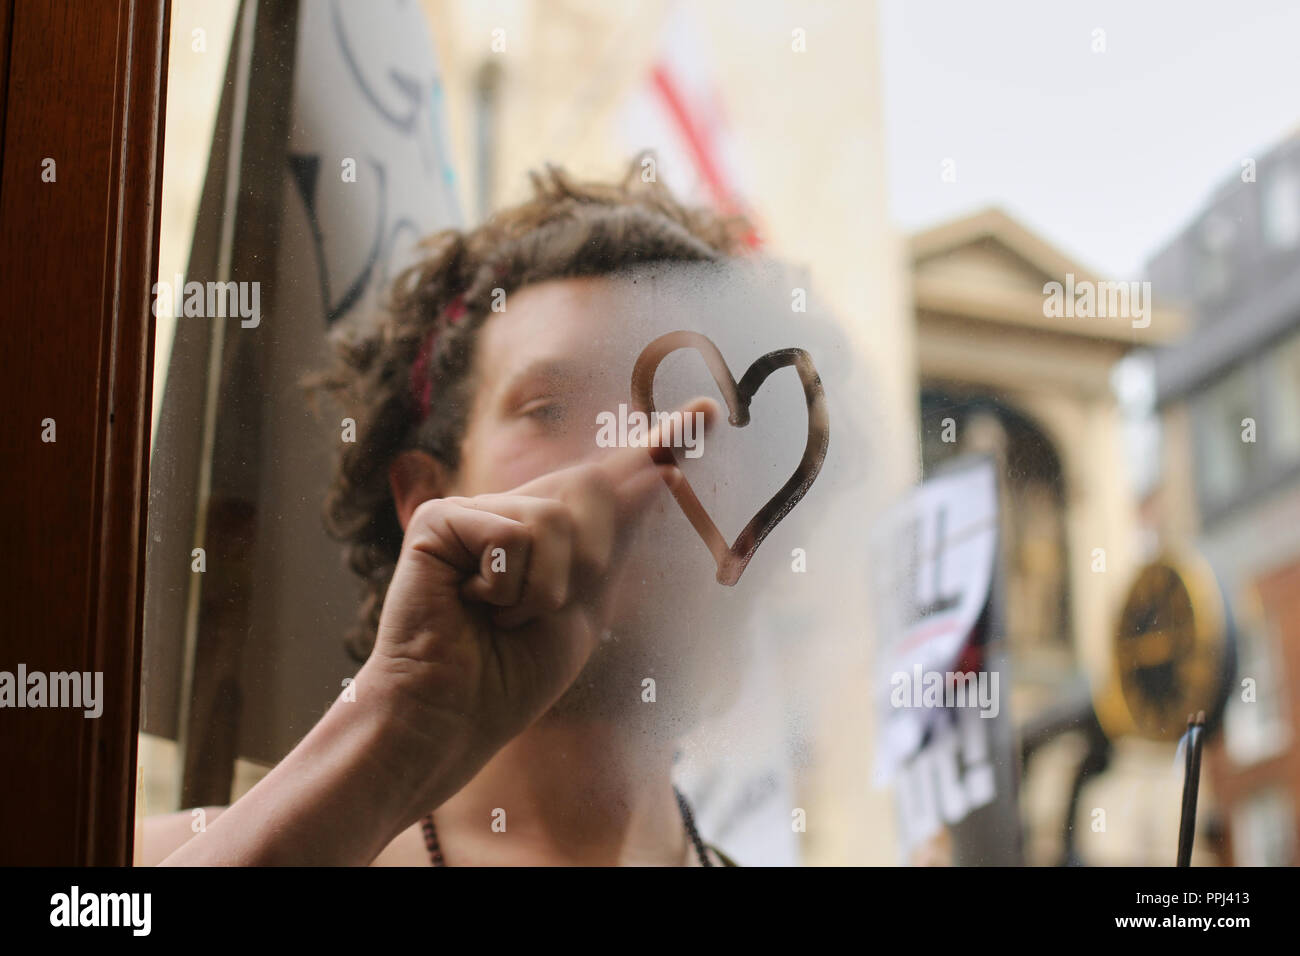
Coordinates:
732 560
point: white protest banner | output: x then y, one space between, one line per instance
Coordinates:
935 561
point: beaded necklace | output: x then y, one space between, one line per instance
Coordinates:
688 817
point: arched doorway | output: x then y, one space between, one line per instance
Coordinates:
958 420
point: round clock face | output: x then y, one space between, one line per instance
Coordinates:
1169 650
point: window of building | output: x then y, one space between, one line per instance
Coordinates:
1226 454
1255 723
1263 830
1213 264
1285 373
1281 212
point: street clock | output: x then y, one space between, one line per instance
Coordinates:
1172 652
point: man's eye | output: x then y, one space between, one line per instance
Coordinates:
548 412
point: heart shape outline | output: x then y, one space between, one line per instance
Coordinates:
732 560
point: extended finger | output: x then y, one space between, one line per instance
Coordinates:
627 468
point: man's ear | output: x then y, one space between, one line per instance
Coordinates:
415 477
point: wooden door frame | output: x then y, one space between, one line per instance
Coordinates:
82 84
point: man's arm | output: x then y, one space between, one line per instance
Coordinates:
162 833
359 777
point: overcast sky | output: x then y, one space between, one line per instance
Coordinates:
1106 155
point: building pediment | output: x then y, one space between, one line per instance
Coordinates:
989 269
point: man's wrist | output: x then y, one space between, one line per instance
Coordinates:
423 754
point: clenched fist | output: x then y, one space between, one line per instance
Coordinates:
498 600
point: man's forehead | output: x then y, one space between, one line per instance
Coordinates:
575 290
556 327
597 325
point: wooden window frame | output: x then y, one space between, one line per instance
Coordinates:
84 84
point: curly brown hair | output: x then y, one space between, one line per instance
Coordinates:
567 229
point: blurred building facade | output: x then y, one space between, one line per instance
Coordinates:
1228 396
1000 376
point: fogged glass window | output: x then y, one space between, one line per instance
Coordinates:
912 340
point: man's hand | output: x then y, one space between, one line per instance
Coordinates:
498 600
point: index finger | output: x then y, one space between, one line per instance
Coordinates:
627 476
628 467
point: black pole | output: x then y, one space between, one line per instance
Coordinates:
1191 784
